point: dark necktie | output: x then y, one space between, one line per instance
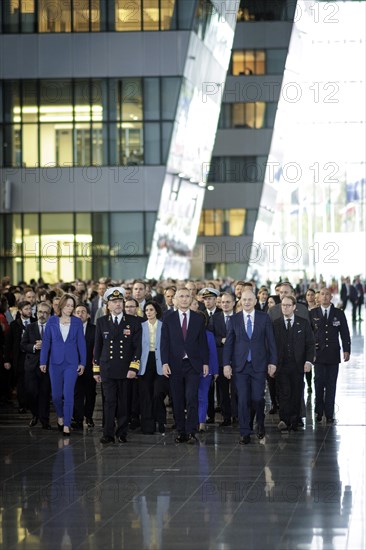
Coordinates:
325 315
184 326
41 331
227 317
211 313
249 333
288 325
116 322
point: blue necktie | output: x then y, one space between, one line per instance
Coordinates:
249 333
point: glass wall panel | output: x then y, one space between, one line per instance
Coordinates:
81 16
83 235
151 15
131 99
12 145
167 130
170 88
152 143
11 16
131 144
151 99
236 220
168 15
83 268
11 96
100 267
150 219
54 16
128 268
276 60
100 232
31 268
248 62
128 16
57 235
31 243
127 234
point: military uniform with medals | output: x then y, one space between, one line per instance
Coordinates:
117 352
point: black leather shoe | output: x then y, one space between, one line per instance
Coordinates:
261 433
244 440
273 410
319 417
33 422
191 439
122 439
66 433
60 427
46 427
181 438
330 420
225 423
106 439
90 422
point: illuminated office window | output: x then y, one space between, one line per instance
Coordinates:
218 222
54 16
266 10
167 15
128 15
248 62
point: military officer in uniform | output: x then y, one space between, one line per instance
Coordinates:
329 324
117 355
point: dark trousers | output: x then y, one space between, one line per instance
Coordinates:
134 399
20 385
325 381
161 390
225 403
271 382
38 391
146 390
115 406
250 386
184 383
290 390
84 399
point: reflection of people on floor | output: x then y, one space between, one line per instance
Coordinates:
152 524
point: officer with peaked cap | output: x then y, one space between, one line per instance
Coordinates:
117 355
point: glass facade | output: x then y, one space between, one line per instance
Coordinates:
258 62
249 169
75 244
248 115
233 222
266 10
87 122
65 16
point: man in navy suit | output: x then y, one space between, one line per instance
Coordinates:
249 352
184 354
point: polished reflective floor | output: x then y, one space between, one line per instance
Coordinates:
303 490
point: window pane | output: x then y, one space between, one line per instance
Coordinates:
152 143
151 15
11 16
168 15
150 219
31 268
100 267
83 235
167 129
83 268
12 143
11 101
260 62
128 268
131 99
100 234
31 244
28 16
30 145
185 13
127 237
250 220
236 221
270 114
170 88
237 63
57 234
128 15
151 99
276 60
54 16
81 16
132 144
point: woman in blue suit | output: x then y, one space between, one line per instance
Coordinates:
64 351
153 386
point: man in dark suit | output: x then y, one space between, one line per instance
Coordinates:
296 352
349 292
184 354
117 353
249 352
219 324
85 387
97 301
14 357
286 289
37 383
329 324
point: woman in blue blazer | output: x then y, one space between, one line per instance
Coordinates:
64 351
153 386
